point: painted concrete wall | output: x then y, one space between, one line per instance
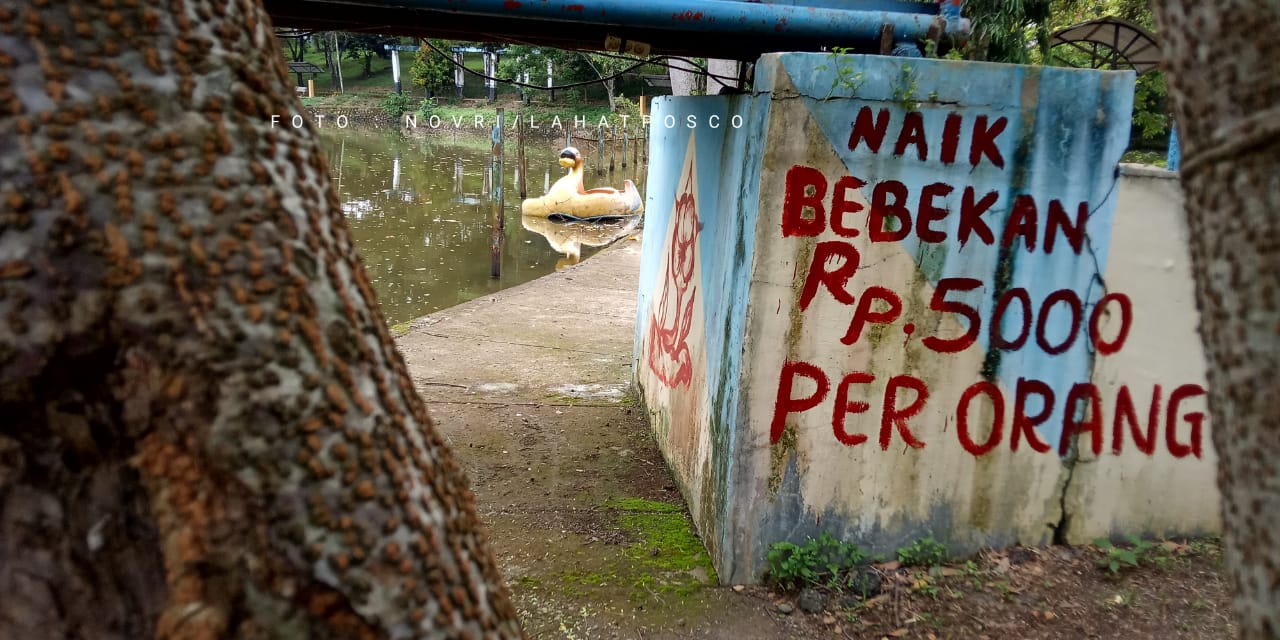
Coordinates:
821 276
1150 261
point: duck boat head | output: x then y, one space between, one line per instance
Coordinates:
569 197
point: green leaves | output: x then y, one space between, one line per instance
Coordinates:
430 69
925 552
824 561
1114 557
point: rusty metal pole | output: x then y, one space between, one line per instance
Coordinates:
613 147
499 222
624 147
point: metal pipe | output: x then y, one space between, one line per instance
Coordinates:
714 16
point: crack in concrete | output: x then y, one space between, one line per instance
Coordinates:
1064 518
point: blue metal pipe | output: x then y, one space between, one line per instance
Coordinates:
721 16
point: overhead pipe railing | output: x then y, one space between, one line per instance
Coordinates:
714 28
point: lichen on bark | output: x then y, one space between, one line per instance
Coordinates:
207 430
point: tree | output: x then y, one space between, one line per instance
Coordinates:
365 47
570 66
1218 57
431 69
296 41
207 430
1002 29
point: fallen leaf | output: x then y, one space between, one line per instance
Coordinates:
888 566
829 620
880 599
1049 615
898 633
948 572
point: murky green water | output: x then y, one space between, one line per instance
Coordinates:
421 213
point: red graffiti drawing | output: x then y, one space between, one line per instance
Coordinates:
672 320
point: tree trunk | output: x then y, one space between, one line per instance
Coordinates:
329 61
207 430
608 90
1220 57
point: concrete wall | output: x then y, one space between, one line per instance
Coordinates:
820 278
1156 493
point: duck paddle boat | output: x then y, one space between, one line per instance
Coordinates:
568 199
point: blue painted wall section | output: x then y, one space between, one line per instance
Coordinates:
1063 142
726 211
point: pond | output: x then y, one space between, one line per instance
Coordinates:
421 212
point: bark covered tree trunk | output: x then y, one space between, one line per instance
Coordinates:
1221 58
205 428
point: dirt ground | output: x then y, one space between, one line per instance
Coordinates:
530 387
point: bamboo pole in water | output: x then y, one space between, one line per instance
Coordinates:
599 150
624 147
524 167
495 244
613 147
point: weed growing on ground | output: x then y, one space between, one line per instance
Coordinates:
1114 558
823 561
925 552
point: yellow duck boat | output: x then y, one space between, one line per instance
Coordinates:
568 196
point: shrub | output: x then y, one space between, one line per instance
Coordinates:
824 561
925 552
396 104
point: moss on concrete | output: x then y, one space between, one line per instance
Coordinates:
779 455
666 556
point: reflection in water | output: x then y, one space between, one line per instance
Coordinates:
420 212
568 238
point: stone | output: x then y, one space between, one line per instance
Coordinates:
811 601
785 609
866 583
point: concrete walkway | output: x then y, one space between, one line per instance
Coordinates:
531 388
